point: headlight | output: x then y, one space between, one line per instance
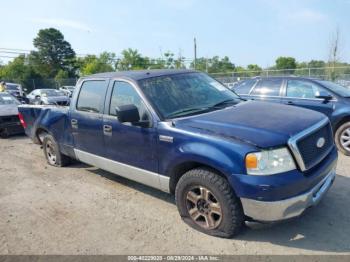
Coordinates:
269 162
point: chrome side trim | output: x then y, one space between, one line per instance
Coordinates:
271 211
292 142
133 173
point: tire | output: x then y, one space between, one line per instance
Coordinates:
342 138
205 195
52 153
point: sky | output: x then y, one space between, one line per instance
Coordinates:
248 32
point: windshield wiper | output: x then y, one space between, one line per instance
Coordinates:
187 111
223 103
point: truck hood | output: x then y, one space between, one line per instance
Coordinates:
8 110
258 123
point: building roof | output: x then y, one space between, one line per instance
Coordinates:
141 74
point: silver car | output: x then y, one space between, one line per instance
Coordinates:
48 97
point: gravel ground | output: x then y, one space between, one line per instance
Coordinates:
84 210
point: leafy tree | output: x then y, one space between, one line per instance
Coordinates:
53 53
131 60
286 63
21 72
92 64
214 65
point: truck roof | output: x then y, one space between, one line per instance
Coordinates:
140 74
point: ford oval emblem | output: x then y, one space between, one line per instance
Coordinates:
320 142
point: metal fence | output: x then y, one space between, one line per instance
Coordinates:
337 74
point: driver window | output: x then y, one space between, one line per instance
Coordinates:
303 89
125 94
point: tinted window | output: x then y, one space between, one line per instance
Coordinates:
125 94
91 96
303 89
244 87
268 87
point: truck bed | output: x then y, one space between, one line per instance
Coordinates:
45 118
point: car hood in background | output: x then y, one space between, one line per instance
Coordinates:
259 123
53 99
8 110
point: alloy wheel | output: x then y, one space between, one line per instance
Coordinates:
345 139
203 207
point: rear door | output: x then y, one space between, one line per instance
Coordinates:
269 90
86 117
302 93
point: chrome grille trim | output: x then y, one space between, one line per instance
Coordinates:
292 142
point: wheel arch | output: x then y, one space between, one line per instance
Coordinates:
180 169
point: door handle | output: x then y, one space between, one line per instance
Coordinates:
290 103
107 129
74 123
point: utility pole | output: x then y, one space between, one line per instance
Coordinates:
195 53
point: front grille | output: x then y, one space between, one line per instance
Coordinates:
307 149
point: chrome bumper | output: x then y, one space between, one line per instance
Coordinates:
288 208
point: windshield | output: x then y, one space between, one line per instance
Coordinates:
12 87
336 88
6 99
186 94
51 92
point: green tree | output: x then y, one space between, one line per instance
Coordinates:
20 71
286 63
253 70
214 65
92 64
131 60
53 53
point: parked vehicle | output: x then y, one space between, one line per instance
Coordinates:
48 97
9 121
16 90
180 131
326 97
68 90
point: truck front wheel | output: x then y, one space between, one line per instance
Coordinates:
52 152
207 203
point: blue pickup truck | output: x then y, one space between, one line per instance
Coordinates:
227 160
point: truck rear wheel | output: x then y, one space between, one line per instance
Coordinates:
207 203
342 138
52 153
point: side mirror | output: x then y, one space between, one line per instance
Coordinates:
324 95
37 97
128 113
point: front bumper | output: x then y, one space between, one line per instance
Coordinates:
269 211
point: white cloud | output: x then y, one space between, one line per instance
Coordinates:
63 23
307 15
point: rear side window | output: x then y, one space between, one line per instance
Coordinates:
244 87
91 96
268 87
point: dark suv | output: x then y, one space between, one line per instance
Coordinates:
323 96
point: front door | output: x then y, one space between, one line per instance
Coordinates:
131 148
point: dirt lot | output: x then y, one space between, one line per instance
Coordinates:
84 210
